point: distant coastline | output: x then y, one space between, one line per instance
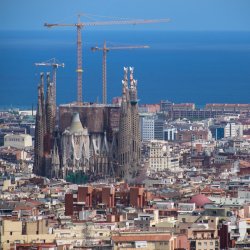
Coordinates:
199 67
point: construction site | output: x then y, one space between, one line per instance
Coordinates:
83 141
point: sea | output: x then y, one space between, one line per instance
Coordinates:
180 66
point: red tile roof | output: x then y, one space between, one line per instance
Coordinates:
209 189
244 164
22 207
143 237
200 200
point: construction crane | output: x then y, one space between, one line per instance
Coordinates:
106 49
55 65
79 25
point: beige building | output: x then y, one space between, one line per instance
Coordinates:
16 231
84 234
8 185
147 219
161 157
18 140
203 240
144 240
203 234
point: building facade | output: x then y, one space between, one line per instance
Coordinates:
147 122
20 141
160 157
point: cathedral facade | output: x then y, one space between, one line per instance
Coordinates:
93 139
75 148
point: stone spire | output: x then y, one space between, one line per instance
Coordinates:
43 103
135 135
39 131
55 161
129 134
76 125
50 113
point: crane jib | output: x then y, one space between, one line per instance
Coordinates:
79 25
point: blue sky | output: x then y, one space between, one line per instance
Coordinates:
185 14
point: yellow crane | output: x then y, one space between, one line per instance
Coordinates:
79 25
104 50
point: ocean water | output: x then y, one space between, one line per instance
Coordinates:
198 67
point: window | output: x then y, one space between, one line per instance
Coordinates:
211 243
10 233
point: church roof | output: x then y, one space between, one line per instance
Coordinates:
76 125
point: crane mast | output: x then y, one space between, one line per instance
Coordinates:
55 65
79 25
79 63
104 74
106 49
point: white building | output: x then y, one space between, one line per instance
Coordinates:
227 130
186 207
27 112
161 157
170 133
18 140
164 205
232 130
239 229
147 126
220 158
239 129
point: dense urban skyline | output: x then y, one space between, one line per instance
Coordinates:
117 172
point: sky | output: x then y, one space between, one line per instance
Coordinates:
186 15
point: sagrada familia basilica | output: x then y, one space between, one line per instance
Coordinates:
101 140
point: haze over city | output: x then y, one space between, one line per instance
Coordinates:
224 15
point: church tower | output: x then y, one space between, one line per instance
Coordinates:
135 125
49 107
129 133
45 125
38 168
